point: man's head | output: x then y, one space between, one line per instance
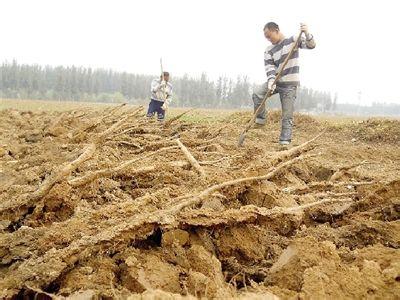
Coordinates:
166 76
272 33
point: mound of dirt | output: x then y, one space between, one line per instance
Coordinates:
273 117
373 130
106 203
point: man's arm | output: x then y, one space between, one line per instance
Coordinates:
270 68
168 99
308 42
169 94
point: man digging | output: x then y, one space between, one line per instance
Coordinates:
287 84
161 95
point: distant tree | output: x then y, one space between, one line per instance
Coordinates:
219 91
334 103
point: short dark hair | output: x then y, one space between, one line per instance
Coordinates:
271 26
166 73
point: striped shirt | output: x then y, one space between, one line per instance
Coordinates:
275 55
157 92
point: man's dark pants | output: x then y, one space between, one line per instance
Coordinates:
155 107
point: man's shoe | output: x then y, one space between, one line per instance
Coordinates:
260 121
284 143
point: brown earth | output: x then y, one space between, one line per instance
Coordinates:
105 203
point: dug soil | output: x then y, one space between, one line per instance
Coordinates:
104 203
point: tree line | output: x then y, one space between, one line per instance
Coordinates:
22 81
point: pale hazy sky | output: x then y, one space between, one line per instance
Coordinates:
357 41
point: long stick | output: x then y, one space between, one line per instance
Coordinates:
177 117
269 93
191 159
